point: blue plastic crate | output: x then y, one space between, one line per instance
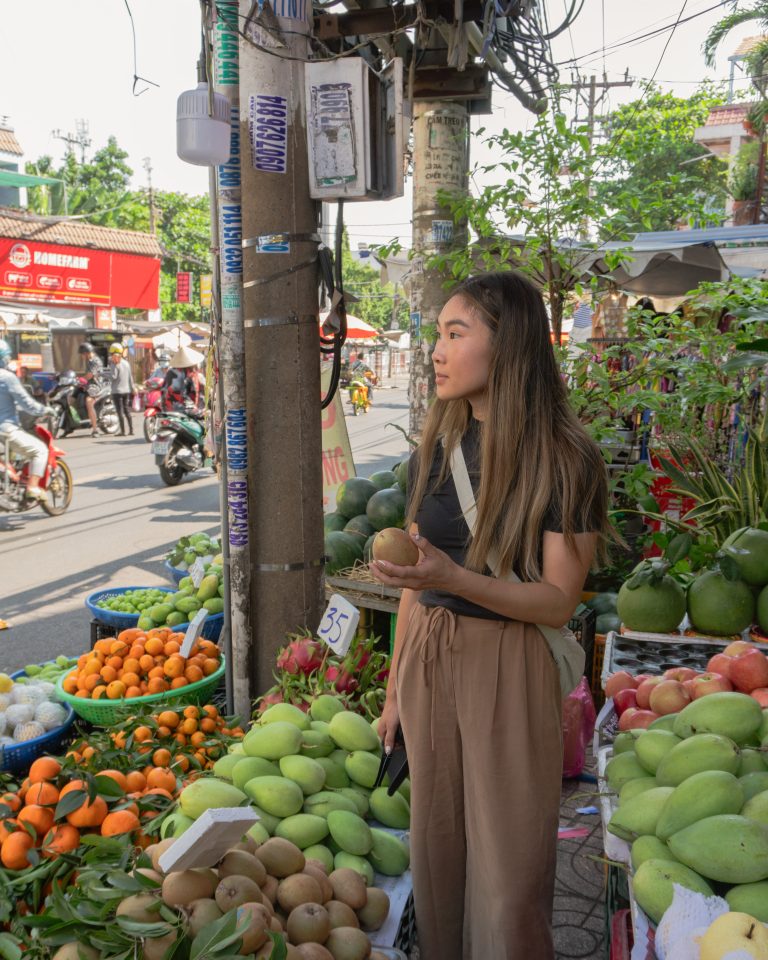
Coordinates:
174 573
20 757
120 621
211 628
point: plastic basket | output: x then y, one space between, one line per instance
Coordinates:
102 713
21 756
120 621
174 573
211 628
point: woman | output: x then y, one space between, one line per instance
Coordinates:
123 387
473 682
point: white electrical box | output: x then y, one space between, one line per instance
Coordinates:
355 131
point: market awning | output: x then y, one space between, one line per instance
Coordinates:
357 329
9 178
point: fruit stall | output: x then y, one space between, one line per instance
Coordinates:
137 819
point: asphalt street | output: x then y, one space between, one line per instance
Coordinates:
119 527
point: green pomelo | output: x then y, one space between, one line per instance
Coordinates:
389 855
362 768
652 746
652 607
750 898
702 795
333 521
753 783
325 707
273 741
350 831
701 752
649 848
360 526
276 795
353 495
719 606
318 851
316 745
360 865
324 802
284 713
385 478
733 715
653 885
624 767
304 771
392 811
748 548
638 816
756 808
386 508
350 731
303 829
633 788
730 849
335 776
343 550
247 768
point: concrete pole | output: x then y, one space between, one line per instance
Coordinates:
232 367
280 242
440 162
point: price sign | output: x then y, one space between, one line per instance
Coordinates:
194 630
339 623
197 571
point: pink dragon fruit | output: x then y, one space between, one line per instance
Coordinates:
301 656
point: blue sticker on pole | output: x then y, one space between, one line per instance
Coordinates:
237 441
268 132
415 325
237 509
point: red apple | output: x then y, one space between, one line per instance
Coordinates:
637 719
619 681
688 685
707 683
738 647
644 691
680 673
640 677
720 663
625 699
669 697
750 671
761 695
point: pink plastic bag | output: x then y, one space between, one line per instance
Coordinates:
578 728
136 403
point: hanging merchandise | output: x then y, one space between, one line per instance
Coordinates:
609 320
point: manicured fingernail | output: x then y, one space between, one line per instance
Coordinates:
387 750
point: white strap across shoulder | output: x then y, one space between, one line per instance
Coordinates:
567 652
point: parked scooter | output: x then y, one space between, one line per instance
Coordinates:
178 444
56 481
68 400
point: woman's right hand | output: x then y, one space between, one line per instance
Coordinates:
389 724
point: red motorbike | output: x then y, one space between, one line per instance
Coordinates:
57 479
156 402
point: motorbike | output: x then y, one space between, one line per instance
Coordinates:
158 401
358 397
68 400
178 444
56 481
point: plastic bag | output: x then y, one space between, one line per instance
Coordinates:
578 728
688 916
136 403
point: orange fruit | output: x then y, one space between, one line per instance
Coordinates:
13 853
73 785
201 757
207 725
88 752
41 818
140 734
192 712
146 662
136 652
92 681
44 768
121 740
70 684
163 732
154 646
61 838
210 711
11 800
171 647
161 757
188 725
43 793
135 780
174 667
119 648
103 646
6 828
210 648
130 679
116 690
89 814
133 691
197 739
210 666
82 694
179 682
156 673
130 635
118 822
193 673
120 778
116 663
98 692
108 673
93 666
131 665
157 685
180 739
168 718
162 778
181 762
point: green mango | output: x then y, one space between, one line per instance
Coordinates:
392 811
362 768
652 746
733 715
316 745
214 605
649 848
276 740
752 784
325 707
246 768
209 585
756 808
729 848
702 795
175 618
303 829
700 752
276 795
653 885
186 582
350 731
324 802
145 622
624 767
318 851
389 855
750 898
633 788
188 605
624 743
638 817
159 612
335 776
305 771
344 860
284 713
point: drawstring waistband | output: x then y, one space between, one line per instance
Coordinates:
429 651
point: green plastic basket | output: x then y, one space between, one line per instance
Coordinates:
102 713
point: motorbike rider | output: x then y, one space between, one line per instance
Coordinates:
184 377
92 371
163 363
123 387
14 398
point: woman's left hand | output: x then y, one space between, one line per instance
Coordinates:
434 571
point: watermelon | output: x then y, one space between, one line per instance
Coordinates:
607 622
342 550
353 495
383 479
603 603
368 549
387 508
361 526
401 472
333 521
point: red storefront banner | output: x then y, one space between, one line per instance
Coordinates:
49 273
183 287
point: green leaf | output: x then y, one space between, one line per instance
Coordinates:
214 936
279 949
69 802
729 568
107 787
678 548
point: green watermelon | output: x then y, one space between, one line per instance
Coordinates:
383 479
353 495
607 622
368 549
361 526
333 521
387 508
401 472
603 603
342 550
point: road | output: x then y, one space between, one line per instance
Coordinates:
121 523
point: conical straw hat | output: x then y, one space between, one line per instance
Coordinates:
186 357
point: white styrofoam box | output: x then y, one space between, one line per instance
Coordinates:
614 847
208 839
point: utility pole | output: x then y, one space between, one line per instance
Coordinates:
152 219
440 162
79 139
280 246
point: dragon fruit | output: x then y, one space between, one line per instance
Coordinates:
301 656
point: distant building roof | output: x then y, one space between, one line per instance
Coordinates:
74 233
746 46
9 143
727 113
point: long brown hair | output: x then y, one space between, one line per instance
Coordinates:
534 453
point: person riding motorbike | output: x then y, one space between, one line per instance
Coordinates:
184 378
163 363
14 398
92 371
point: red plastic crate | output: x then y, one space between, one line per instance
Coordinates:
621 935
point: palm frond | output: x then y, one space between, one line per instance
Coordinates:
757 12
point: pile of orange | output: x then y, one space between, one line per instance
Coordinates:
136 664
29 821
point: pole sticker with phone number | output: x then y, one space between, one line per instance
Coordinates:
339 624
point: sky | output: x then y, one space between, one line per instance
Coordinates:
64 62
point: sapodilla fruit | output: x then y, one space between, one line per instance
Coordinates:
141 907
393 545
156 850
313 951
155 948
234 891
182 887
255 933
76 951
319 874
376 910
308 923
341 915
281 857
200 913
242 864
269 889
349 887
348 943
297 889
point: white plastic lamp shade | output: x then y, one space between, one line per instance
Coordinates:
200 138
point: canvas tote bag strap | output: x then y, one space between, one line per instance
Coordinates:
567 652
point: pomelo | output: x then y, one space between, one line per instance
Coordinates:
748 548
653 607
720 606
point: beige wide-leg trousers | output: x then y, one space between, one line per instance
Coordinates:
480 710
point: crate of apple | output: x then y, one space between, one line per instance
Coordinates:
639 699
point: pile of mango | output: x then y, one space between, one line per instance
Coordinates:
693 803
158 608
310 777
190 548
